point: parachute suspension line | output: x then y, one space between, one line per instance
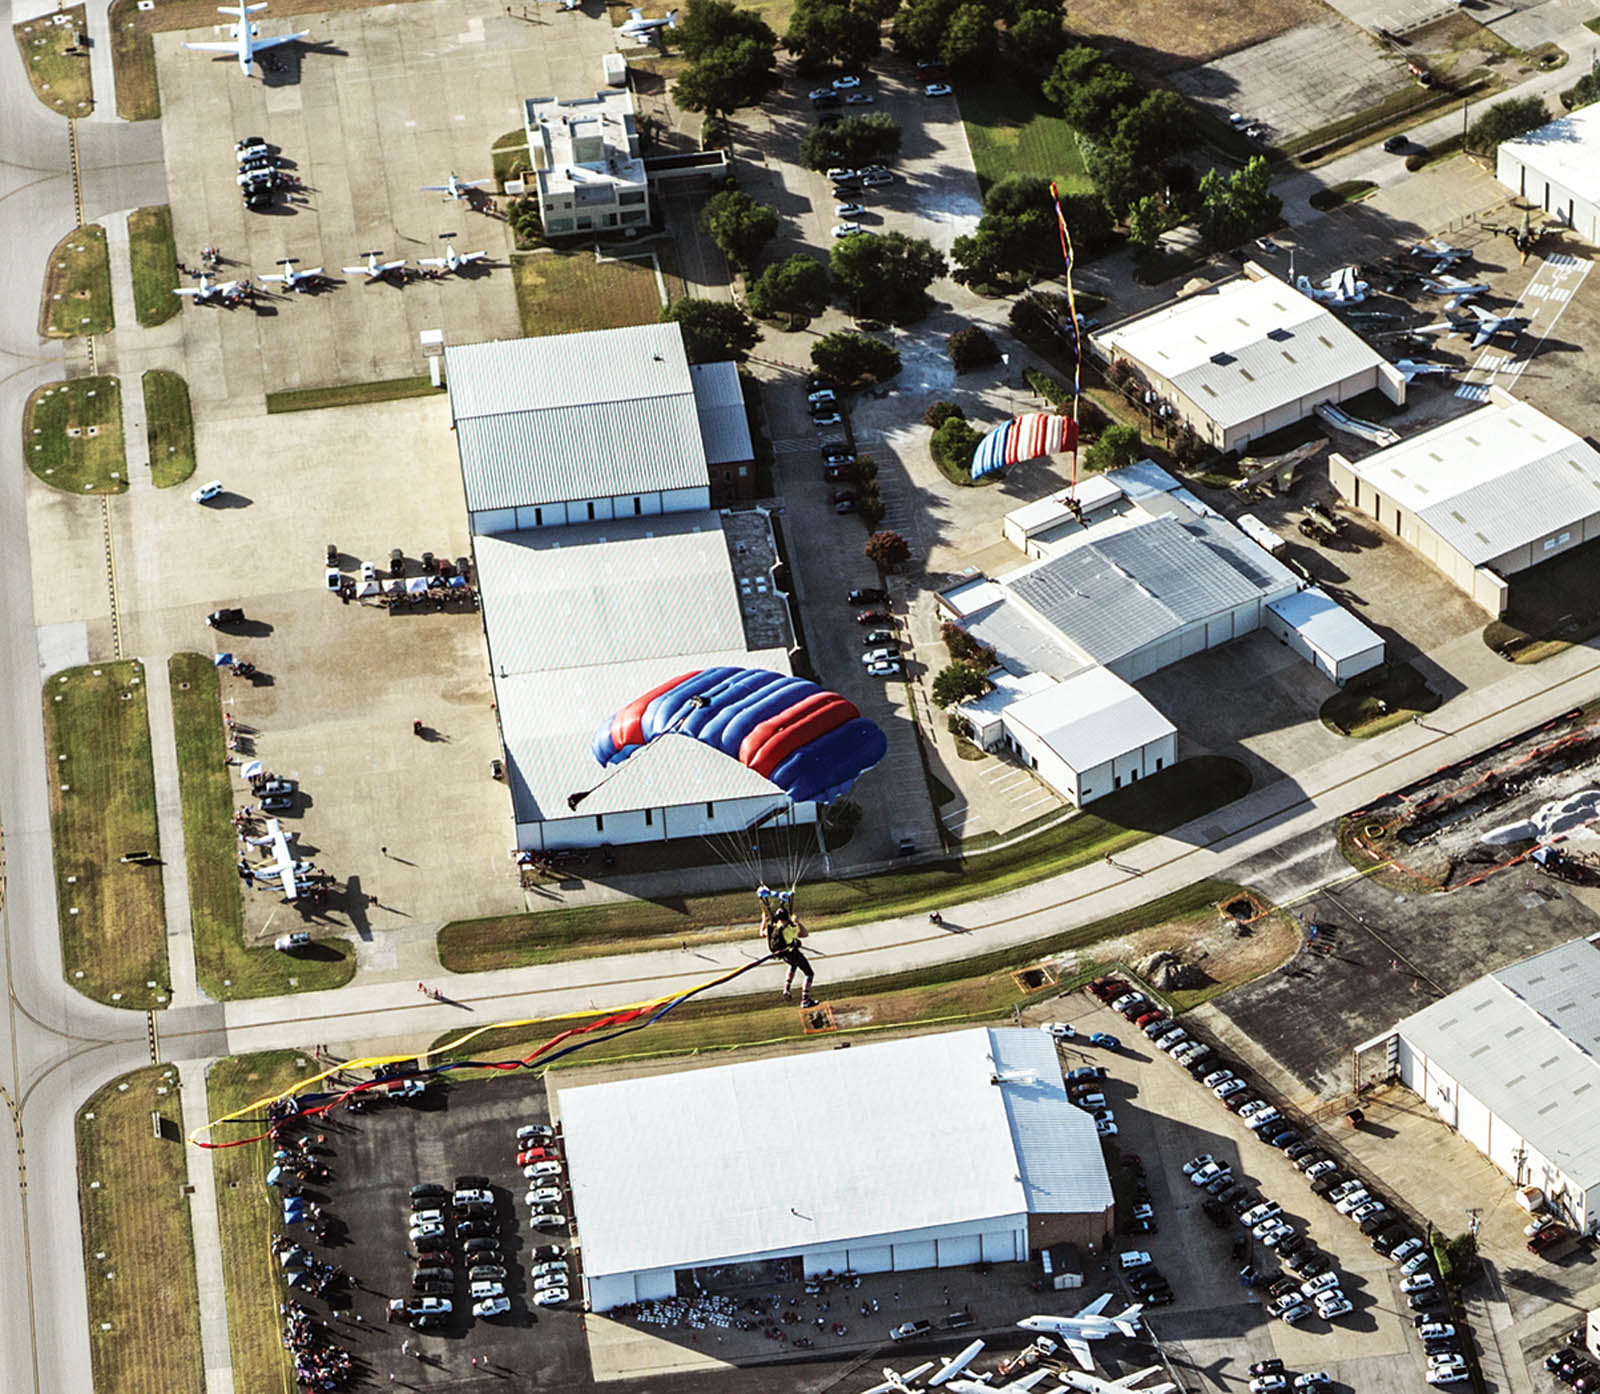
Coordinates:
1077 331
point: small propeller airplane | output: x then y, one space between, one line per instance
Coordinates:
292 279
208 291
1458 290
375 270
639 29
1016 1386
1075 1332
455 188
956 1364
452 260
900 1381
246 41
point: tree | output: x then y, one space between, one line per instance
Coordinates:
1093 94
739 225
712 329
855 141
956 683
1162 124
731 57
1119 181
1117 446
887 277
919 27
969 41
796 288
1016 237
887 550
952 446
1037 39
1506 121
971 348
822 31
940 412
961 646
847 358
1586 90
1090 224
879 10
1147 220
1240 206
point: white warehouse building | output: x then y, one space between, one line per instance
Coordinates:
1246 357
1512 1062
1484 496
1557 168
941 1150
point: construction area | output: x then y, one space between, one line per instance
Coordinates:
1534 797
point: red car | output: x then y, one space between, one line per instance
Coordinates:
536 1154
1146 1018
874 617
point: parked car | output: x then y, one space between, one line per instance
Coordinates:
1105 1041
1417 1282
1408 1249
1320 1168
546 1251
1268 1384
485 1273
1230 1088
937 89
867 595
542 1196
848 82
551 1297
491 1307
229 614
206 492
295 940
478 1250
1296 1314
1216 1077
530 1134
1267 1367
888 668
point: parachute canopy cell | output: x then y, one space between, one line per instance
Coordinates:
1023 438
812 743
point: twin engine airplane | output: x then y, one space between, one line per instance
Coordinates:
246 41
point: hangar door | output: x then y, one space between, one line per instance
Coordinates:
1000 1247
869 1258
964 1248
921 1254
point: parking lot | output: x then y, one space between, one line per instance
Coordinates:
374 105
1216 1328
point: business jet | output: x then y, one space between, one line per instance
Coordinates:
1075 1332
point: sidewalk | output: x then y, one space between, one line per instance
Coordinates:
215 1346
169 819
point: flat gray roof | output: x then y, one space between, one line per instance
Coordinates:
724 427
575 416
921 1135
1525 1042
1244 347
1114 594
1491 481
1566 152
582 619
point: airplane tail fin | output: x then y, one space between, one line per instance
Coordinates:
1127 1320
672 19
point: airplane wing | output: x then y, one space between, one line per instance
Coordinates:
1079 1350
1097 1306
636 14
444 189
272 277
307 275
885 1388
1482 337
392 265
1128 1381
467 258
1484 317
186 290
439 261
232 47
260 44
357 271
1027 1382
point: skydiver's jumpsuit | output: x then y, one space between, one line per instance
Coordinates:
789 932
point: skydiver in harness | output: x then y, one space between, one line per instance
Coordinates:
783 934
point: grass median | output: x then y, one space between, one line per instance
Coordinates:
980 988
245 1214
169 427
353 394
103 808
1373 703
224 966
138 1244
568 292
57 67
1153 806
73 434
155 264
77 286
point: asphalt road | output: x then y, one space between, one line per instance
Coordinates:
60 1046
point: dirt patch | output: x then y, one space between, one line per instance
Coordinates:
1166 38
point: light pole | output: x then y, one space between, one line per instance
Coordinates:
1005 364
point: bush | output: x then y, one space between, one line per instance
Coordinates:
846 358
888 551
1117 446
1510 119
952 446
1058 394
940 412
959 726
961 646
971 348
842 815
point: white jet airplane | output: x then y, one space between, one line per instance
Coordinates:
1093 1384
1016 1386
1444 255
639 29
1340 288
452 260
900 1382
1458 290
457 187
1413 369
292 279
954 1365
209 290
373 269
246 41
1075 1332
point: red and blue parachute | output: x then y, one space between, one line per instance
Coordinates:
1023 438
812 743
